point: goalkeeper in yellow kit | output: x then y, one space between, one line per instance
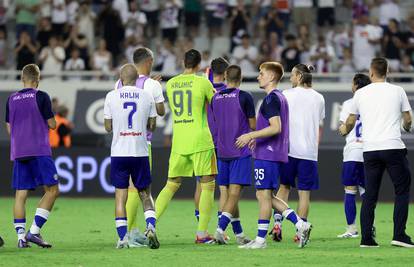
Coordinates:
192 152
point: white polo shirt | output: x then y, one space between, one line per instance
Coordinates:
379 106
353 147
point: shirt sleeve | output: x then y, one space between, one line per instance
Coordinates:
45 105
405 104
247 104
322 115
157 92
209 89
7 110
153 110
271 107
353 108
343 116
107 108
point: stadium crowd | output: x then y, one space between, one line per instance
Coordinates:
333 35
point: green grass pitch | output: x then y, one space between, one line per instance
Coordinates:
82 232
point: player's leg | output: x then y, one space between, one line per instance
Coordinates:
133 208
150 218
197 194
121 195
166 194
224 195
19 211
46 175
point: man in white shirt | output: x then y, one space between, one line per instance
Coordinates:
353 175
52 57
143 61
380 106
128 112
306 114
246 55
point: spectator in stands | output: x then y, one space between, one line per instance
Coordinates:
131 44
111 30
216 12
44 33
339 39
72 7
388 10
291 54
409 41
274 24
46 9
136 21
359 9
321 55
61 135
4 50
246 55
326 13
304 43
86 24
283 12
303 12
26 12
205 60
52 57
343 12
78 41
74 63
122 7
392 44
192 17
406 67
275 47
166 58
102 58
4 6
264 52
59 17
170 20
345 65
364 40
25 51
239 20
261 9
151 8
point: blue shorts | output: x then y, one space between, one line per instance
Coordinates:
266 174
305 170
136 167
353 174
34 172
234 171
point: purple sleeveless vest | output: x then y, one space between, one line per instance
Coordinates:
210 119
230 123
29 131
139 84
274 148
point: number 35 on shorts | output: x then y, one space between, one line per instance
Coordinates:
259 174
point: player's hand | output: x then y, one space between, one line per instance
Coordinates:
157 77
342 130
252 144
243 140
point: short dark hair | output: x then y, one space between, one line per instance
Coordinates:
31 72
141 54
219 65
306 72
379 66
274 67
233 74
192 58
361 80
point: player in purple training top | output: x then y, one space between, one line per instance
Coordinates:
234 115
270 144
29 117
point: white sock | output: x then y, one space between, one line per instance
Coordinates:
43 214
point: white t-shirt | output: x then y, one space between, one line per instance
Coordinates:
353 147
153 87
326 3
52 64
129 108
239 53
388 11
363 50
169 16
75 64
306 114
150 5
380 106
59 16
321 64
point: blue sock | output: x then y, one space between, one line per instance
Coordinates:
121 226
291 216
197 214
350 207
20 226
219 214
224 220
277 216
39 220
150 219
237 228
262 227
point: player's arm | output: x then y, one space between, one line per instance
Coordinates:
107 114
407 120
159 98
152 120
51 123
8 127
349 124
108 125
45 106
274 128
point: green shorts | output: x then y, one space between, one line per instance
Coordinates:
196 164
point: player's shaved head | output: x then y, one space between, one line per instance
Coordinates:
379 67
31 73
192 59
219 65
233 74
141 55
128 74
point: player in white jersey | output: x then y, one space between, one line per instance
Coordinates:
306 114
128 112
143 60
353 176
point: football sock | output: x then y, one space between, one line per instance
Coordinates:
291 216
121 226
132 206
262 227
150 219
219 214
237 228
197 214
165 197
224 221
206 205
277 217
20 226
350 206
39 220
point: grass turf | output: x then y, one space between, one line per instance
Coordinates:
82 232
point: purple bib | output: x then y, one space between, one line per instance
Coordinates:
230 123
274 148
29 130
211 124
